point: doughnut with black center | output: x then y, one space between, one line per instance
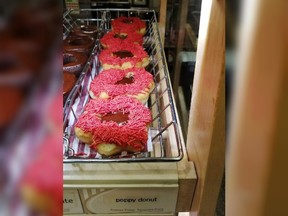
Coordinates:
124 56
129 23
133 82
113 38
112 126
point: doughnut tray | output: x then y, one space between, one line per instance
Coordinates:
165 139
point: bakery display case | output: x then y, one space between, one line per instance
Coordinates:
97 184
164 128
169 177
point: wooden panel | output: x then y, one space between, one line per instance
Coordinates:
206 130
191 35
256 183
187 177
180 41
162 20
187 184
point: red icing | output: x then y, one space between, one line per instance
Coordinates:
109 39
45 173
106 82
133 133
107 57
127 24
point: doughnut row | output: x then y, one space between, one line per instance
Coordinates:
25 42
116 119
76 50
123 45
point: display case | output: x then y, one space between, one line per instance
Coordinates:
151 182
141 184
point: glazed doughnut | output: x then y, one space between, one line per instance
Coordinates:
74 62
124 56
69 81
129 23
14 70
26 51
115 125
85 30
13 99
83 44
133 82
114 38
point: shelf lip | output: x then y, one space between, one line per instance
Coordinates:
124 160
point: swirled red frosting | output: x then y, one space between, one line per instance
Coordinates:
113 38
107 57
132 133
108 81
127 24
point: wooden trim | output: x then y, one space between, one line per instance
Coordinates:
206 130
182 110
162 20
191 35
180 41
187 183
256 183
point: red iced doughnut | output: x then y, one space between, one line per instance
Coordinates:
41 186
115 125
133 82
124 56
114 38
129 23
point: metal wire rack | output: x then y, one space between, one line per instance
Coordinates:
71 20
164 134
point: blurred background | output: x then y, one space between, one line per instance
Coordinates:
30 107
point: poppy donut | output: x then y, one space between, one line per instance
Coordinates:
124 56
114 125
129 23
85 30
74 62
83 44
133 82
113 38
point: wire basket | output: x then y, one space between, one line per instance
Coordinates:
70 20
164 143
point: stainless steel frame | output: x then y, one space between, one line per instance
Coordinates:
165 132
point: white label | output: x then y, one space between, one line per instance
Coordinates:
131 200
71 202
